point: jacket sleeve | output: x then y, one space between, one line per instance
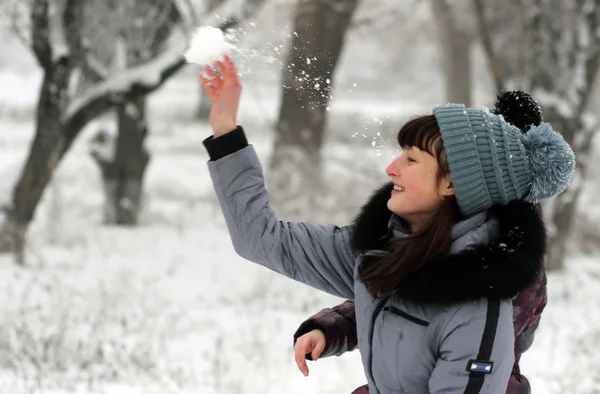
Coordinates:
339 326
463 367
317 255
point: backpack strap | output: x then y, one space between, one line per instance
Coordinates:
483 365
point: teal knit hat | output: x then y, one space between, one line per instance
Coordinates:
493 162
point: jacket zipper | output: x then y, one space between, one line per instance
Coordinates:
405 315
378 309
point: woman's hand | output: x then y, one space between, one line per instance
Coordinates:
312 342
224 89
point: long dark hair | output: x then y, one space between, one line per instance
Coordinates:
408 254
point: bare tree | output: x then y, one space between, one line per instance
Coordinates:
56 31
454 37
56 43
317 41
123 46
551 48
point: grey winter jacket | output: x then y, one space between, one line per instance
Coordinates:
449 327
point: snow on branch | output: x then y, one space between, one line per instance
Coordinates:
96 67
59 47
146 78
55 24
131 82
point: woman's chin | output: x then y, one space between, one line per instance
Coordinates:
392 206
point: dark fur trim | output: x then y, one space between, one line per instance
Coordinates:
370 226
501 269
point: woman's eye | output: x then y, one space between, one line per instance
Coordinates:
410 159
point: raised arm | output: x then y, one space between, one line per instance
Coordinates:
317 255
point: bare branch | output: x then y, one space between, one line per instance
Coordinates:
486 40
233 13
19 34
15 15
541 34
591 14
59 48
187 13
55 26
95 68
40 33
132 82
72 20
164 28
167 18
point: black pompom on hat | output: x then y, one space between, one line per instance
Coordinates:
518 108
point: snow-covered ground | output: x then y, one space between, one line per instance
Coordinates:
168 307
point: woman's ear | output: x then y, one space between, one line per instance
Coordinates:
446 186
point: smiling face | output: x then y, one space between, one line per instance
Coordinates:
420 184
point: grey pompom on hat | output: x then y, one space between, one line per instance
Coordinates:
493 162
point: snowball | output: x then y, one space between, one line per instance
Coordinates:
208 45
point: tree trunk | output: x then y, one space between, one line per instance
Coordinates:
318 39
123 171
564 206
131 159
50 24
455 45
110 176
42 160
563 216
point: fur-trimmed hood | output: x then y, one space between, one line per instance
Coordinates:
501 268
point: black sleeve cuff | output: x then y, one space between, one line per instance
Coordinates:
305 328
226 144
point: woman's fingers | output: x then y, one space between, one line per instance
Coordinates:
221 69
231 84
230 71
300 350
215 79
222 85
319 347
209 88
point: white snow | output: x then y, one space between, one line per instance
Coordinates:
207 46
174 294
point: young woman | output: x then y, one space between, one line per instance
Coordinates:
433 259
332 331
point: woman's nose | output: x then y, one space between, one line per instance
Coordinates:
392 168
